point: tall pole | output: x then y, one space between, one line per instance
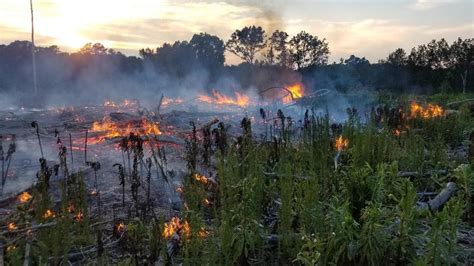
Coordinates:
33 57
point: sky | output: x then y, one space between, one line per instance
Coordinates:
370 29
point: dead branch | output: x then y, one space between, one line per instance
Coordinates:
443 197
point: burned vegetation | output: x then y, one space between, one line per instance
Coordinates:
391 185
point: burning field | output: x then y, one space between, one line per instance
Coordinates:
278 183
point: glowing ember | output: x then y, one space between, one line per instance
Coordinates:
218 98
397 133
120 228
170 101
175 226
201 179
48 214
431 111
110 129
207 202
341 143
124 103
179 189
12 227
296 91
24 197
203 232
93 192
79 216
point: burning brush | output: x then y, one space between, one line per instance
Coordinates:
340 145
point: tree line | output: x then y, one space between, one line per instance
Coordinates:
432 67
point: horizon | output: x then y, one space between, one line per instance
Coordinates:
367 29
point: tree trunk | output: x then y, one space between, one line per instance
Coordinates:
33 57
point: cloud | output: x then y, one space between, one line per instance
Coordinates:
430 4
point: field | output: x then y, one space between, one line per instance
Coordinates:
390 185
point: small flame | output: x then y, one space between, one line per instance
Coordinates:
12 226
218 98
11 248
207 202
48 214
79 216
397 133
171 101
179 190
202 179
296 91
341 143
120 228
175 226
24 197
431 111
94 192
202 233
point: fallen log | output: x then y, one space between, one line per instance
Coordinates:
426 174
438 201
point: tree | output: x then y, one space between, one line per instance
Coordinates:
356 61
95 49
208 49
307 50
397 57
461 59
247 42
278 49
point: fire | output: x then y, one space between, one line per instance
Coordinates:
201 179
202 233
397 133
48 214
124 103
431 111
295 91
341 143
179 190
94 192
218 98
112 130
12 226
79 216
175 226
120 228
207 202
24 197
170 101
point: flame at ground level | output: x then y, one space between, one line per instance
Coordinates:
341 143
295 91
431 111
24 197
218 98
175 226
110 129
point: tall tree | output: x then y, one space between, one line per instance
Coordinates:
208 49
247 42
307 50
278 49
397 57
33 57
461 58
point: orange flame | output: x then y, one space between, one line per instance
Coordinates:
207 202
175 226
111 129
24 197
296 91
218 98
79 216
170 101
12 226
397 133
341 143
202 233
201 179
179 190
48 214
431 111
120 228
